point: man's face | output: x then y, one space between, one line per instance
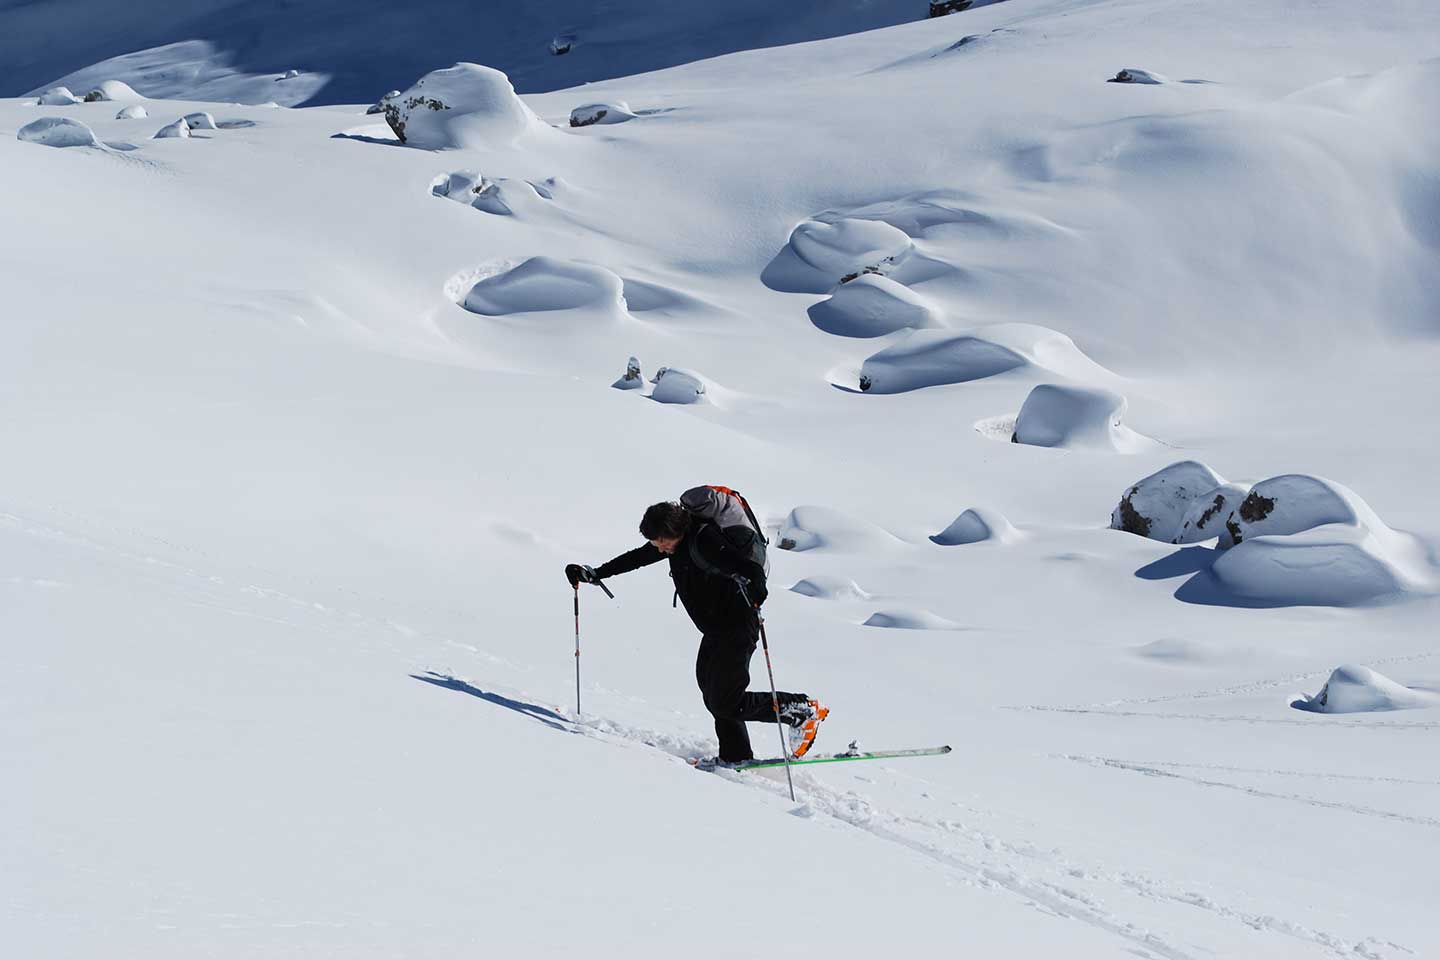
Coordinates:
665 544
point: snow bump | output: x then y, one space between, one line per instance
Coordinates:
57 132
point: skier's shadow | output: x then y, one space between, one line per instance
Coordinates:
532 710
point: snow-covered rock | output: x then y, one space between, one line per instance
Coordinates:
57 97
1066 416
132 112
113 90
674 385
1157 505
177 129
848 246
977 525
458 185
200 120
809 528
872 305
1296 502
588 114
467 105
1132 75
633 379
58 132
291 75
927 358
379 105
546 283
1356 689
1205 518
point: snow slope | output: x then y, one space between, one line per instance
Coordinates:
290 663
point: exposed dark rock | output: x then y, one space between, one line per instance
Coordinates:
940 8
1131 521
1255 508
1234 529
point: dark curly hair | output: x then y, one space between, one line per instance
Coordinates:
668 521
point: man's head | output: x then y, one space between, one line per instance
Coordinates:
665 525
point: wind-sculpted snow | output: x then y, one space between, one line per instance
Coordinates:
826 587
117 91
179 130
1356 689
1205 517
674 385
58 132
812 528
1079 417
872 305
928 358
589 114
502 196
906 618
59 96
543 284
977 525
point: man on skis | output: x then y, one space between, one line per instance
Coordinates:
716 556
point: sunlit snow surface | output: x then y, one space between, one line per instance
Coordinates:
289 658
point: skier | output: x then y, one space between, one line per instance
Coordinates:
720 577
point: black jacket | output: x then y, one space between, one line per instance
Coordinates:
712 599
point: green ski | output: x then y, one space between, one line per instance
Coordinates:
852 754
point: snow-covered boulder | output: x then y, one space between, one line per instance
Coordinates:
809 528
1356 689
200 120
467 105
459 185
113 90
57 132
674 385
57 97
290 75
132 112
927 358
379 105
1132 75
588 114
171 130
546 283
1065 416
633 378
872 305
848 246
1206 516
977 525
1156 506
1296 502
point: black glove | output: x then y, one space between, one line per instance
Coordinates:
578 573
752 590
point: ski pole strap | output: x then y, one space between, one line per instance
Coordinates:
601 585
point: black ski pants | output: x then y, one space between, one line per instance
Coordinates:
722 668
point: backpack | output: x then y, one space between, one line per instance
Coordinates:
731 513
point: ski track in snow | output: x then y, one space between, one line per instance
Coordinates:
1328 724
1155 771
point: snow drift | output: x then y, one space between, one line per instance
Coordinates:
544 284
1078 417
872 305
58 132
977 525
589 114
811 528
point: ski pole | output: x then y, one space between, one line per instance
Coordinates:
774 697
602 586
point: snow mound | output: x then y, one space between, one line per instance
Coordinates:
200 121
1299 539
467 105
1075 417
1157 505
542 284
872 305
810 528
977 525
379 105
909 619
1208 512
830 588
58 132
112 91
1356 689
848 246
171 130
1132 75
589 114
57 97
502 197
193 70
132 112
674 385
928 358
